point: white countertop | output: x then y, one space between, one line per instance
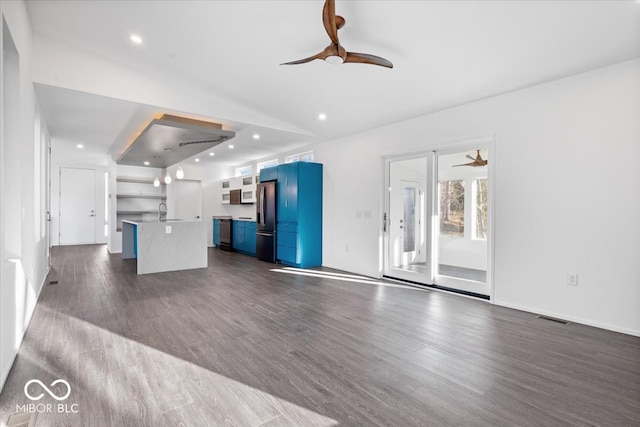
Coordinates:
152 221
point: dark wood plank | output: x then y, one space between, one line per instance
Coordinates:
240 344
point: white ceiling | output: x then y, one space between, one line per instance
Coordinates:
445 53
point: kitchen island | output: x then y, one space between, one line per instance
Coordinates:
169 245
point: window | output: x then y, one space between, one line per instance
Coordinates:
452 208
245 170
480 208
307 156
267 164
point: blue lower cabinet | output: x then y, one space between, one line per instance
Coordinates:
135 241
287 254
288 243
244 237
250 238
216 232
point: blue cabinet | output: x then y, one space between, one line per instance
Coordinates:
244 237
299 214
269 174
216 232
288 192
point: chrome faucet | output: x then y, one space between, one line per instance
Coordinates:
162 214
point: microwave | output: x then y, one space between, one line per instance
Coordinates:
235 197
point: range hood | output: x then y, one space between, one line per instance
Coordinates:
172 139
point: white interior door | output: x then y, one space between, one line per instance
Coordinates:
188 203
77 206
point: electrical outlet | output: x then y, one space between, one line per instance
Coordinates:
167 229
572 279
346 248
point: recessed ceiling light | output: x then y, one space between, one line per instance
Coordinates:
322 116
80 146
212 154
230 146
146 163
135 39
256 136
197 160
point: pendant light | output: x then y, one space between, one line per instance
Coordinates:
167 178
179 173
156 182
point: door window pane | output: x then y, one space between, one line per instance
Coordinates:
409 194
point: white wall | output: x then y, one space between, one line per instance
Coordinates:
566 185
23 244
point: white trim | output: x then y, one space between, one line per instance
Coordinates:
573 319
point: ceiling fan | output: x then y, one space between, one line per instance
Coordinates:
335 53
478 161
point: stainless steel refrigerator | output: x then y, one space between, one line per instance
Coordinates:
266 221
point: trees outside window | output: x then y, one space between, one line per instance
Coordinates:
452 208
481 208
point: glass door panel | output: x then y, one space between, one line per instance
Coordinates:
408 251
462 220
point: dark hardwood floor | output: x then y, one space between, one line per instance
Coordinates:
238 344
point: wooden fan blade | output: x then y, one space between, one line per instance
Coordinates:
364 58
329 20
305 60
331 50
469 157
475 163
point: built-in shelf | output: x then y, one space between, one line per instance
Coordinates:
137 180
141 196
140 212
137 198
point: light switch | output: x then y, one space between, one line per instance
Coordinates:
167 229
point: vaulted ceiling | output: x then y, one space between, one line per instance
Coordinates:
445 53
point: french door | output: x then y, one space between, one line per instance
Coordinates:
407 235
436 220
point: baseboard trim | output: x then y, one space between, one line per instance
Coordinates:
571 319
